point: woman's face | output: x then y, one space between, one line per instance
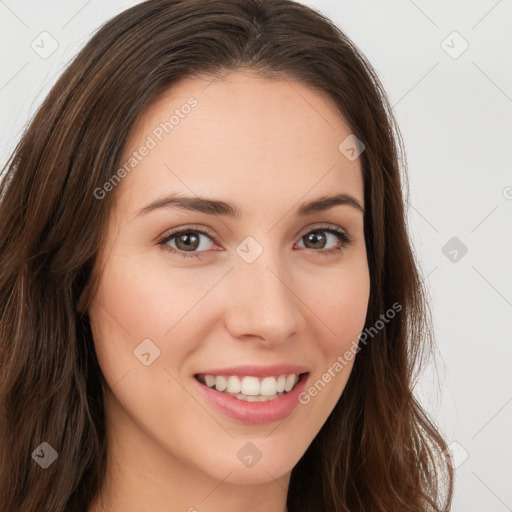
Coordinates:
264 288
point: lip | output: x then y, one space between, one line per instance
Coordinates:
257 371
254 412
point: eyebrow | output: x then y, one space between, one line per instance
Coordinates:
222 208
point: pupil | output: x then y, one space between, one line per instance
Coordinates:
191 241
185 239
313 236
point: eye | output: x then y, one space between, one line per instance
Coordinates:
188 240
317 237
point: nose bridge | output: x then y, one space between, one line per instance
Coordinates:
261 301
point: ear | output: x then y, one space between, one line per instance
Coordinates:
80 307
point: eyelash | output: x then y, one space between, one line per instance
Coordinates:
342 236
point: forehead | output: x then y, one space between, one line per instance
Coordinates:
240 135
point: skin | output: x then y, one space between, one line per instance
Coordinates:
266 145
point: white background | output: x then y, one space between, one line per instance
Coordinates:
455 115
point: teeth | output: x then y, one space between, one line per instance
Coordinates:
234 385
220 383
250 386
268 386
281 382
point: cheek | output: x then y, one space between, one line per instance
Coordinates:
341 304
140 299
146 296
130 316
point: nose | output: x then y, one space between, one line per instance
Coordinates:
261 302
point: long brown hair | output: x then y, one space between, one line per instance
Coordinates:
378 451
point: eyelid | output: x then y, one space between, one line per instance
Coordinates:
345 239
169 235
214 236
195 228
321 226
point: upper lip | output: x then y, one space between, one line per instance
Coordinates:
257 371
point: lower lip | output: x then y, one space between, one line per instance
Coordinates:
255 412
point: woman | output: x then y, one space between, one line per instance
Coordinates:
209 297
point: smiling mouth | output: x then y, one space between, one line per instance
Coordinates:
250 388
